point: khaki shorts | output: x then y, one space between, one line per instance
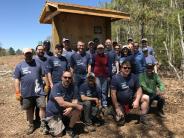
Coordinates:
27 103
55 125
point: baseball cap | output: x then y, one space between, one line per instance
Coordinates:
90 42
27 50
100 46
65 39
125 46
91 75
144 39
46 43
130 39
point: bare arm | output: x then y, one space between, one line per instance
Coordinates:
65 104
89 68
17 85
50 79
114 99
138 96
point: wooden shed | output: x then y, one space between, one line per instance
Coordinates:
77 22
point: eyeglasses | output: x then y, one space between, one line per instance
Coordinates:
65 77
126 67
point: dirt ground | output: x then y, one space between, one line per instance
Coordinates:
13 120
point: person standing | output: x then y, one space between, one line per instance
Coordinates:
29 76
139 62
47 46
101 65
67 50
80 64
57 65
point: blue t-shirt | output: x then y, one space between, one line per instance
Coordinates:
57 65
68 54
139 63
68 94
150 60
48 54
125 87
44 62
30 76
112 61
80 62
129 58
90 91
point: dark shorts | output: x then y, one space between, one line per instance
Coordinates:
40 102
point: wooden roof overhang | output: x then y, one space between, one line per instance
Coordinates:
51 9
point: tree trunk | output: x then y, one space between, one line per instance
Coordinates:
169 60
181 44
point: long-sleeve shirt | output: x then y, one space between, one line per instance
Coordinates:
149 84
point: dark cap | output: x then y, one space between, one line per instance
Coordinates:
46 43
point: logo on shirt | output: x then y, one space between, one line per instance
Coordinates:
56 64
79 62
88 93
37 86
124 85
26 70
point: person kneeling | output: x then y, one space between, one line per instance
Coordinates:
149 81
126 92
90 95
63 102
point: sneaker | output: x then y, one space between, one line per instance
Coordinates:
143 120
71 133
30 129
89 128
161 114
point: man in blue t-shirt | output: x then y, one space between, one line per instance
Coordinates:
67 50
126 92
90 96
47 45
113 58
40 57
57 65
63 102
28 76
80 64
139 63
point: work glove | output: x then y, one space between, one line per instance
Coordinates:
46 89
18 96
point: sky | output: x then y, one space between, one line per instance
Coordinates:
19 25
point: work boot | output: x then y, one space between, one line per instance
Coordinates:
43 128
89 128
143 120
30 129
120 120
72 133
161 114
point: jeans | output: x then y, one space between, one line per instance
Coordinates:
102 83
79 79
90 110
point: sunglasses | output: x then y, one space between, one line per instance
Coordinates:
126 67
65 77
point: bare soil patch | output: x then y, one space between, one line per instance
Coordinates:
13 119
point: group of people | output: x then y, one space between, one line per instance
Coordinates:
65 87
